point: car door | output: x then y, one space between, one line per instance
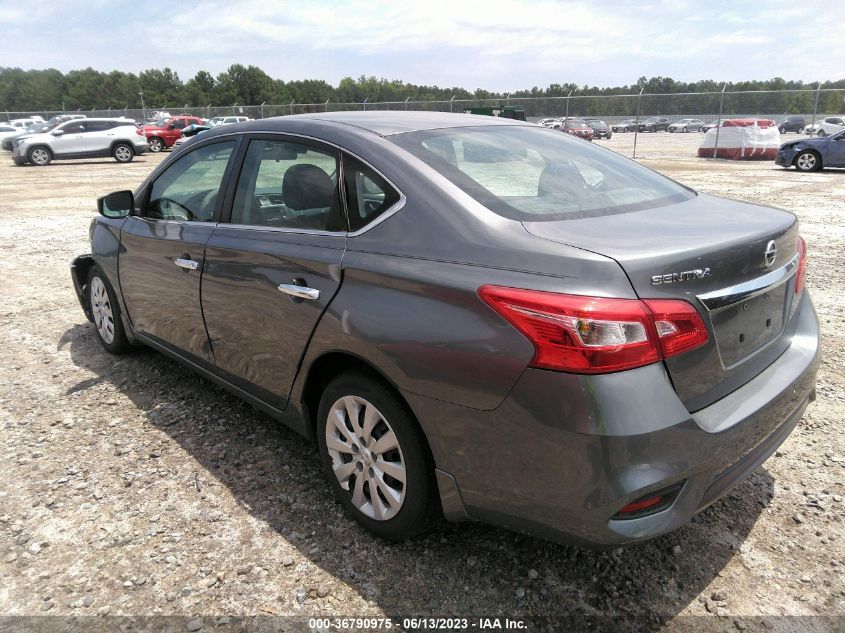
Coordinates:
162 248
835 155
71 141
272 269
97 137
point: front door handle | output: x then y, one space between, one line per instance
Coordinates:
187 264
301 292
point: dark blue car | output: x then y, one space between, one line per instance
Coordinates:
811 154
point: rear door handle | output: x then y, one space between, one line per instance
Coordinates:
301 292
187 264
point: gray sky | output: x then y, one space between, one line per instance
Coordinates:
498 45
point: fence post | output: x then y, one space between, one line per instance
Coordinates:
816 104
637 122
719 120
450 102
566 116
406 102
327 105
291 105
365 102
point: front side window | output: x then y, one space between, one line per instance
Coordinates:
188 190
288 185
368 195
73 127
533 174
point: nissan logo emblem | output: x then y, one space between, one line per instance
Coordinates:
771 253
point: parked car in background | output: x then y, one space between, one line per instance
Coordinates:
827 126
686 125
163 134
214 120
709 126
8 143
22 124
627 125
121 139
813 154
654 124
792 124
596 356
600 128
158 115
7 130
553 123
577 127
189 132
229 120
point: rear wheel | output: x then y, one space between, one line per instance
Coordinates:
40 156
123 153
782 129
104 308
808 161
375 457
685 129
156 145
821 132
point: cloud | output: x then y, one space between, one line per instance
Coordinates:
496 44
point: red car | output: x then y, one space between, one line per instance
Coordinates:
575 127
164 134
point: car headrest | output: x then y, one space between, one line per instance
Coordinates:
560 179
307 187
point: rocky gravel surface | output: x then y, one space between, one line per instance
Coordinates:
131 487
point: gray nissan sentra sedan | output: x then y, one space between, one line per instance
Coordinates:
472 317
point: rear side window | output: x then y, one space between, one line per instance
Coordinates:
288 185
368 195
530 173
99 126
188 189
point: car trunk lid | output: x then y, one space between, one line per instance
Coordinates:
710 252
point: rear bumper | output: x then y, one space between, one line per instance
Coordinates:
563 453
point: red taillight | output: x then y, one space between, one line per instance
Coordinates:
638 506
679 326
595 335
800 276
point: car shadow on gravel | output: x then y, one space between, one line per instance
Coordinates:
459 569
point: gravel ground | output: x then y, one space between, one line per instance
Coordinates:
132 487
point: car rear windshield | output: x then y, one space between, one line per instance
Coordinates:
536 174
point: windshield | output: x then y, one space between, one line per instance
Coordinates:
535 174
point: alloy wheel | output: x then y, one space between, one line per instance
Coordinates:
366 457
101 309
806 161
39 156
122 154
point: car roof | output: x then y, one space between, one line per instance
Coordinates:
385 123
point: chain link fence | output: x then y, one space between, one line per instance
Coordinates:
660 126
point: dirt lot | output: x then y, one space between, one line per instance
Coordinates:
131 487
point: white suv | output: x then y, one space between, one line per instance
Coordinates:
83 138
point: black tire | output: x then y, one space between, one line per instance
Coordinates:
123 152
821 133
782 129
609 134
685 130
653 128
156 144
419 508
119 343
39 156
807 161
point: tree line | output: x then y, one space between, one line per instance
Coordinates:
86 89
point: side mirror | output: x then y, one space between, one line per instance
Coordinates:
58 132
116 205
